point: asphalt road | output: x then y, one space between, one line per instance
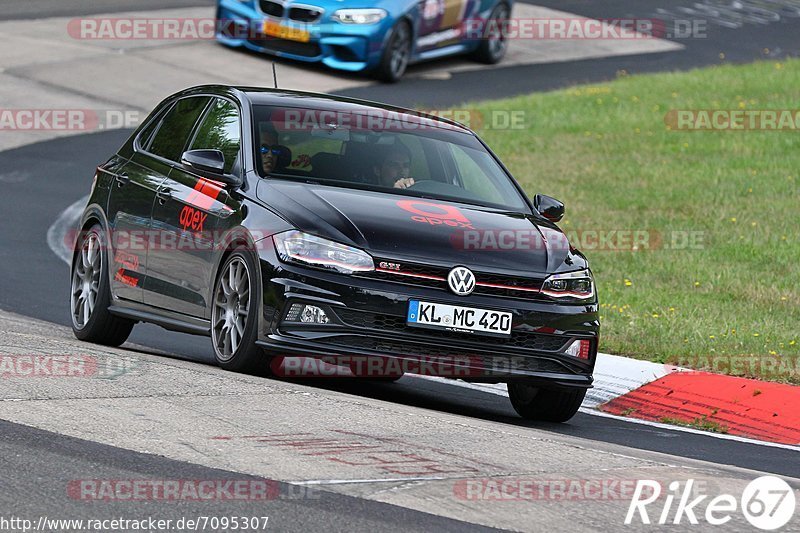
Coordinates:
718 45
40 180
55 460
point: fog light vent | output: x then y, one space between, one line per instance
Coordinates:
579 349
307 314
294 313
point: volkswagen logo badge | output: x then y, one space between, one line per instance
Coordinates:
461 281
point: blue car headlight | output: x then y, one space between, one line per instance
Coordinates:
360 16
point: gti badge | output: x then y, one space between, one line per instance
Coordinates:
461 281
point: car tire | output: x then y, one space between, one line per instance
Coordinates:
234 315
547 405
397 54
492 48
90 293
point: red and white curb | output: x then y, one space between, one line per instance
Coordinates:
654 394
745 407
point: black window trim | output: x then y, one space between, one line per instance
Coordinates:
194 126
161 115
157 118
206 111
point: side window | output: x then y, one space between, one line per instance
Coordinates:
220 130
176 127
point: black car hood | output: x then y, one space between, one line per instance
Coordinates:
434 232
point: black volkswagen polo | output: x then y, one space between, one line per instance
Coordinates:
362 236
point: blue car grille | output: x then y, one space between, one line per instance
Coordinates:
302 14
273 9
306 14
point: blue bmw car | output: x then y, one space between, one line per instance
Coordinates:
380 36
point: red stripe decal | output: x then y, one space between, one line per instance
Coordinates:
204 194
745 407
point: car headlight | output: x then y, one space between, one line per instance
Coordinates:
570 285
359 16
297 247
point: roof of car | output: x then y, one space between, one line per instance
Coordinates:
308 100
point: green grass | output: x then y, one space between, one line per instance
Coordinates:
697 423
605 151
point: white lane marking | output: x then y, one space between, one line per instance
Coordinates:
499 389
386 480
660 425
66 221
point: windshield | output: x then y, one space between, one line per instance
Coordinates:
392 153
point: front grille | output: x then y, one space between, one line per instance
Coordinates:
302 14
289 47
273 9
397 324
436 277
488 364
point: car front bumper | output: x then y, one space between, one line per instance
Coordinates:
368 318
340 46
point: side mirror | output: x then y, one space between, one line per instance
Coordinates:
208 164
548 207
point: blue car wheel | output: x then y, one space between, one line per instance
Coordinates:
494 44
397 54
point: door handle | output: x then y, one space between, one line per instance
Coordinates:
164 195
122 179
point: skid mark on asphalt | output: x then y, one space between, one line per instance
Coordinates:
382 454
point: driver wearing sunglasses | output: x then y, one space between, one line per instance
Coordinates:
274 156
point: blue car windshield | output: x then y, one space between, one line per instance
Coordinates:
382 151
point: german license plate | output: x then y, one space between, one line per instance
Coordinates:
280 31
457 318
